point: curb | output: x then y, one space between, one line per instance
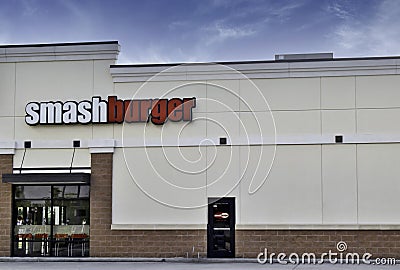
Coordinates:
125 259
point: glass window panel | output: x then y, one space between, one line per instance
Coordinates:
71 192
84 192
32 192
67 192
73 212
36 212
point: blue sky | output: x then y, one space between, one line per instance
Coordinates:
160 31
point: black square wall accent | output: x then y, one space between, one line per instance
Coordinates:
77 143
27 144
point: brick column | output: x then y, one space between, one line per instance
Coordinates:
100 202
6 166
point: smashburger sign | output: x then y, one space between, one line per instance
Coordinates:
112 110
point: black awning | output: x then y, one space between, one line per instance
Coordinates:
47 178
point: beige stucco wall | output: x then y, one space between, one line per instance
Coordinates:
309 184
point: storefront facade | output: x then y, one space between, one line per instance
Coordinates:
196 160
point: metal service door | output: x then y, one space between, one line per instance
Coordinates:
221 228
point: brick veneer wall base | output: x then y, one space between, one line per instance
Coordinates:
6 166
380 243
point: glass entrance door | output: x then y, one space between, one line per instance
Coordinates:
51 220
221 228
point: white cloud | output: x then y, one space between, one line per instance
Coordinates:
29 7
153 54
379 34
247 20
81 24
350 37
340 10
218 32
219 3
284 12
225 32
177 25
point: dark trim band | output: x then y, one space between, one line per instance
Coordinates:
259 62
59 44
45 178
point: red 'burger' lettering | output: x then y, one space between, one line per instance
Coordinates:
115 110
159 111
189 104
175 109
